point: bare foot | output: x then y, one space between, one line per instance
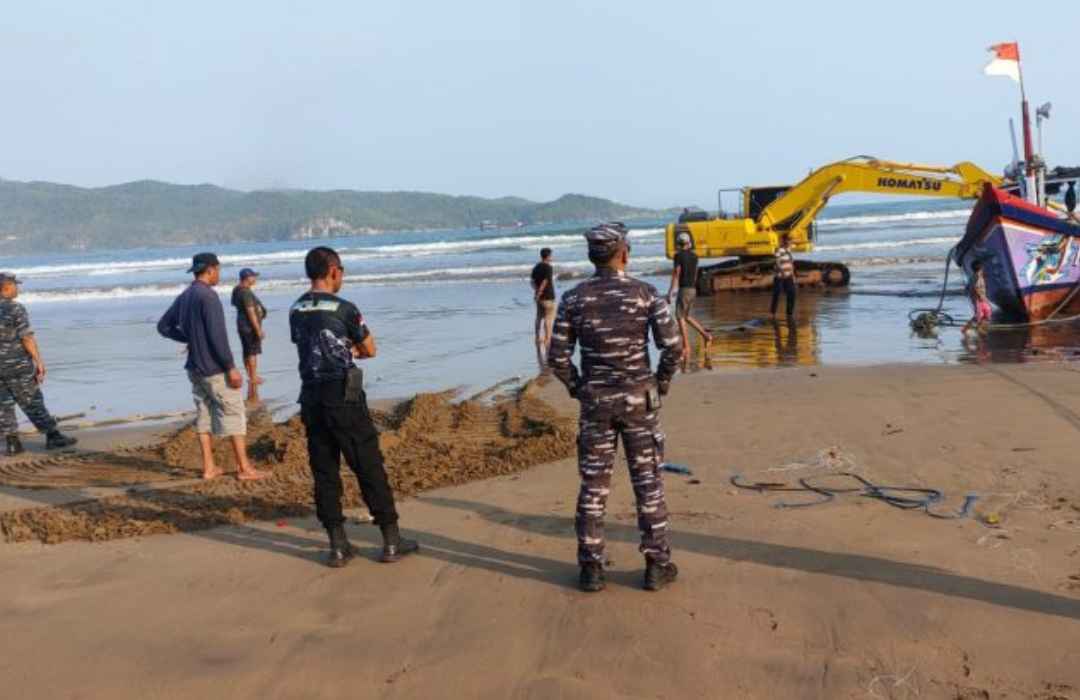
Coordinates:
211 473
251 474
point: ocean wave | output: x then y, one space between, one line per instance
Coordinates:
113 267
509 242
870 220
873 245
354 254
896 261
441 275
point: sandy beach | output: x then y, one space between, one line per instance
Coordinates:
848 599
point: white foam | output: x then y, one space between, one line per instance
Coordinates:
874 245
894 218
459 274
113 267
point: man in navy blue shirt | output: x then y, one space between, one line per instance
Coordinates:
197 319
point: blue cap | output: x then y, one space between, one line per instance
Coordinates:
201 261
248 272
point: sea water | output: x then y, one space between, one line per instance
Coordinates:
453 309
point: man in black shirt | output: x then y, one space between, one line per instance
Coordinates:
543 284
684 277
250 313
329 333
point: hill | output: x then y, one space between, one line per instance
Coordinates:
44 216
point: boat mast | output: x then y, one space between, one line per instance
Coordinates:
1030 168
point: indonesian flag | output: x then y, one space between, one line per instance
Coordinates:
1006 61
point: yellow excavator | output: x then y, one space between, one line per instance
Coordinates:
750 237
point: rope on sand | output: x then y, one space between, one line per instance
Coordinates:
903 497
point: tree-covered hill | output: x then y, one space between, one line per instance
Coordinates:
40 216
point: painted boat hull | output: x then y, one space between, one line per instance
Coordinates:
1030 256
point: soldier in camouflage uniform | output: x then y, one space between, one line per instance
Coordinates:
611 315
21 373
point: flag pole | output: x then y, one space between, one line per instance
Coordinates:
1029 150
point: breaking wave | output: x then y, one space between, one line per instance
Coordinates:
490 273
915 216
873 245
109 267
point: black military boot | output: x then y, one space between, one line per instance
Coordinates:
659 575
592 578
394 545
14 446
341 551
55 440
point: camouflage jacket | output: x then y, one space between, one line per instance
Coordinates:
14 326
610 315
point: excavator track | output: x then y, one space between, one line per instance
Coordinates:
749 274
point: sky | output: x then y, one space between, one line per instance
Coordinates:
652 104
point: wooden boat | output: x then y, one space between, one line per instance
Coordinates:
1030 256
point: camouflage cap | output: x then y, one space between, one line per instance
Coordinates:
605 239
9 277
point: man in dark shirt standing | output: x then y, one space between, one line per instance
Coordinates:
250 313
543 284
684 277
329 333
197 319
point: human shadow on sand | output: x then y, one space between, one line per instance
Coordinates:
853 566
368 541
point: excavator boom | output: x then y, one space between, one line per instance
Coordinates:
767 213
961 181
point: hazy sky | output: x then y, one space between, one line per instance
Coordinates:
652 103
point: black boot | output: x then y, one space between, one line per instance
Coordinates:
14 446
659 575
592 578
394 546
55 440
341 551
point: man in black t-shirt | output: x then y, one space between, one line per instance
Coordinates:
250 314
330 334
684 278
543 284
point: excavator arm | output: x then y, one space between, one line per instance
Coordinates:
792 210
800 204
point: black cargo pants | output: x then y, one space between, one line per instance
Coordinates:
337 428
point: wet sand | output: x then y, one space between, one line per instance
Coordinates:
852 598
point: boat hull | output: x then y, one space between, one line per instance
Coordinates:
1030 257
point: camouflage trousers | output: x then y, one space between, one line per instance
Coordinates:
601 426
18 387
